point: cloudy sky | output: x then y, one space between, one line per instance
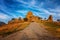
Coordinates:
19 8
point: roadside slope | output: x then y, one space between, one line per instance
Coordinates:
33 32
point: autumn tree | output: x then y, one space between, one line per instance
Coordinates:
13 18
39 18
19 18
25 19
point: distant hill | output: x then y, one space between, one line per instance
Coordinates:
2 23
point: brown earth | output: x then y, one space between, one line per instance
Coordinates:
33 32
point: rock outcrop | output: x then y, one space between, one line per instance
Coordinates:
31 17
50 19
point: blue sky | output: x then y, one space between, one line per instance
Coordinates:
19 8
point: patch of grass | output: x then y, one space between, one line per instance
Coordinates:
52 27
51 24
13 29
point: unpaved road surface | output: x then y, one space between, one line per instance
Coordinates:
33 32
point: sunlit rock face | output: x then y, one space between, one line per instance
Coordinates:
31 17
50 19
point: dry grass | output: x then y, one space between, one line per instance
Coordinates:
11 28
52 27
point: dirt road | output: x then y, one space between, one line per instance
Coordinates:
33 32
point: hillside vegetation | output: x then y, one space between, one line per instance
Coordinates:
52 27
11 28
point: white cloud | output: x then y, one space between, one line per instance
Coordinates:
36 13
21 16
56 9
22 11
45 11
3 16
59 15
32 5
41 4
22 2
48 12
